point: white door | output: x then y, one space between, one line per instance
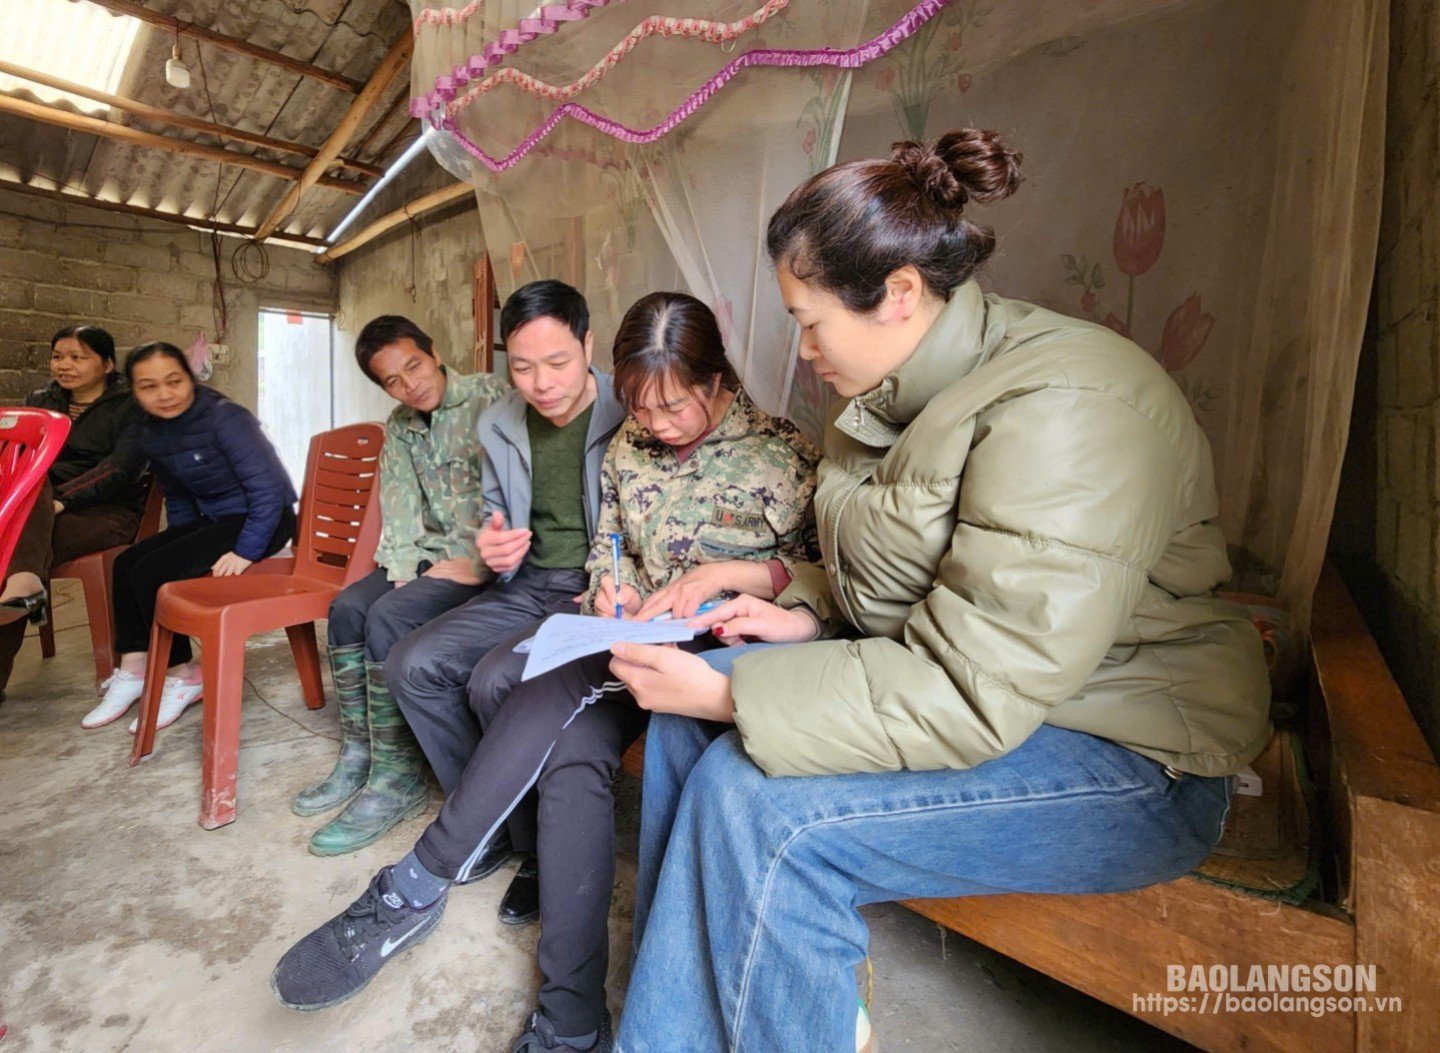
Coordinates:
296 383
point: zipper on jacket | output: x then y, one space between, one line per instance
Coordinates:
524 463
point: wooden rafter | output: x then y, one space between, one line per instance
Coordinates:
147 213
179 120
392 64
244 47
94 126
364 143
418 207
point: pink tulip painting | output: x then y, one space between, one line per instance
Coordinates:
1186 331
1139 229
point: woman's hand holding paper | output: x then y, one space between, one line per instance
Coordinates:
665 679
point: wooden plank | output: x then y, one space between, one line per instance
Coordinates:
484 307
243 47
1117 948
1397 919
79 122
149 213
179 120
395 60
1376 740
418 207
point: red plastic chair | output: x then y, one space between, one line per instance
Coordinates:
339 526
30 440
95 570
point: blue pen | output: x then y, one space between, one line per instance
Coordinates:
615 563
704 608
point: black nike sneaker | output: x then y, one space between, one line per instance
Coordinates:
339 958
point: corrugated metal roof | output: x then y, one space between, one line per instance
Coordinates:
79 42
347 36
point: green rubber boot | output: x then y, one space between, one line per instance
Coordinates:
396 788
339 788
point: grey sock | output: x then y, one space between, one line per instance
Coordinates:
415 884
584 1041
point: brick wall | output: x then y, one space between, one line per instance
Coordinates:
1385 533
64 264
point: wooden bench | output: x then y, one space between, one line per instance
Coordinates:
1379 905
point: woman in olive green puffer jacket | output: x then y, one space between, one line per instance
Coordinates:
1020 679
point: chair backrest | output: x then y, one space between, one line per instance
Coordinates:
30 440
150 516
339 523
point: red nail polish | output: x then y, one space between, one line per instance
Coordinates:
719 630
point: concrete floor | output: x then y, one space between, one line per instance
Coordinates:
126 926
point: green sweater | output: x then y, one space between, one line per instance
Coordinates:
560 539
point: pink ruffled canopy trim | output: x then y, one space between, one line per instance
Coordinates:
852 58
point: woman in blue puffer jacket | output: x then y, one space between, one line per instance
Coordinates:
228 503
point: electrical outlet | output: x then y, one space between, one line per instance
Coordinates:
220 354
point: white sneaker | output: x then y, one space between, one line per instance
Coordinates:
177 697
121 691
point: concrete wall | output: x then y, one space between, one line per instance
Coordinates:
421 269
1385 533
64 264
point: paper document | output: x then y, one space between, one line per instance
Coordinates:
565 637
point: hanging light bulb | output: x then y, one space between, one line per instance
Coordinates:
177 74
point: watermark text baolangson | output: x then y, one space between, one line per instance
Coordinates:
1313 988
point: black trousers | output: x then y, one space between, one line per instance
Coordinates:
176 554
562 735
429 669
48 540
374 612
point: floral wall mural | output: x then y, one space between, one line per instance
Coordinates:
1136 246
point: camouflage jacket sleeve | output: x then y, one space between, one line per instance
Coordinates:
456 493
610 521
401 520
793 516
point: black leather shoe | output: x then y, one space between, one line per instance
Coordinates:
521 904
33 608
495 857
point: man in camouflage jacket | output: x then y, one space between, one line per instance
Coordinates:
430 507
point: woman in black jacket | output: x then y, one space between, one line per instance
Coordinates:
95 490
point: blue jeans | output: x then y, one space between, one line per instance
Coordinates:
745 915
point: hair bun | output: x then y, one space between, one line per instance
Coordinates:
960 166
928 170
